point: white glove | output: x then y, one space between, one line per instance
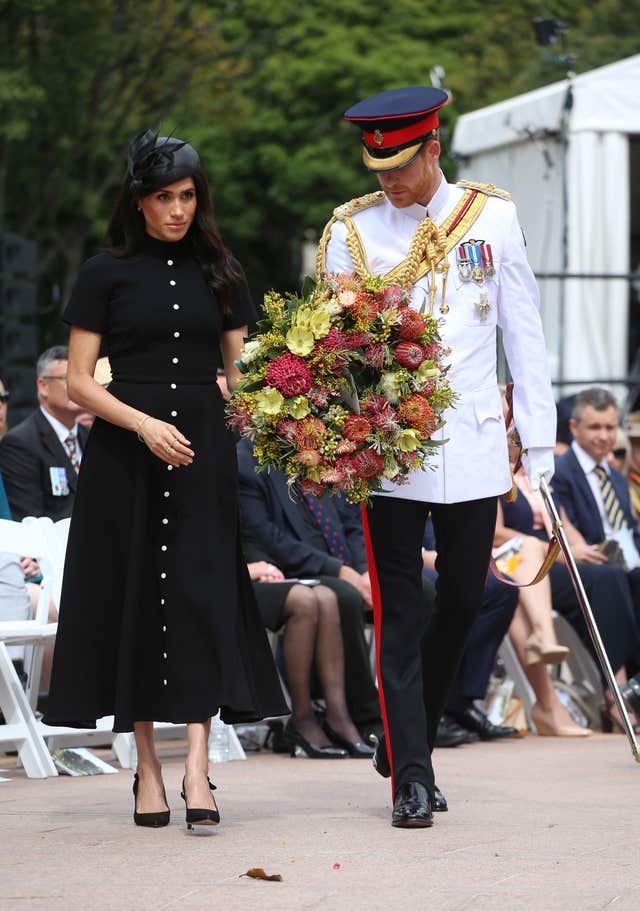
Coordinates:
538 463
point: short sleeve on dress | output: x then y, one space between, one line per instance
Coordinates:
242 310
88 305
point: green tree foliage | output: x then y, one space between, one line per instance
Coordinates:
259 87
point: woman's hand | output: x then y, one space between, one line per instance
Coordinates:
165 441
261 571
30 567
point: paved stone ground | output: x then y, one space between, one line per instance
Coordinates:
534 824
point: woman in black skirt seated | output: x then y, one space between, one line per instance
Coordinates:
309 618
158 619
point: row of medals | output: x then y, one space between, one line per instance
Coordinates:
474 259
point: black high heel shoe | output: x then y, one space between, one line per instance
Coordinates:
357 750
150 820
313 750
201 817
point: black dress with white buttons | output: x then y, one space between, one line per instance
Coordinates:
158 620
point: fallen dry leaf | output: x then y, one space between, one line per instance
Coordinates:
258 873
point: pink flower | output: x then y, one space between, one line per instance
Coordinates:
289 375
347 298
334 340
392 297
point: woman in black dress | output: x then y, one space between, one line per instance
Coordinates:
158 620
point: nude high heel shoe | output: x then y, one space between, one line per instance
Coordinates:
545 729
538 652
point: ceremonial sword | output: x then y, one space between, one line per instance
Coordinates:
561 538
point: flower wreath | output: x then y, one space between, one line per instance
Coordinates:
343 387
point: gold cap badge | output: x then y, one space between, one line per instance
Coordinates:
378 138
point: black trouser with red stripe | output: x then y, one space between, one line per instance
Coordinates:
417 664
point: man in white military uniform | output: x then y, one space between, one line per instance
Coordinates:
460 248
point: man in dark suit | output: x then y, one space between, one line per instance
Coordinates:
323 539
40 457
462 717
594 497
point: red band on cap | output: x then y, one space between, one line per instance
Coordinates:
389 139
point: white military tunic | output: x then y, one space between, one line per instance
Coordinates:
474 461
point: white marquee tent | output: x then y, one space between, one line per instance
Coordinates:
581 187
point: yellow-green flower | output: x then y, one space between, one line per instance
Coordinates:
300 341
408 440
303 317
298 407
320 323
269 401
426 371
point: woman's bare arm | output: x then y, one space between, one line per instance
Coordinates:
232 343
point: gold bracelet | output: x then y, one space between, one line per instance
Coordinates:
140 426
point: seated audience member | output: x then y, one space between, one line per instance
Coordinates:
40 457
563 431
531 632
309 619
619 456
18 596
632 428
462 716
316 539
4 399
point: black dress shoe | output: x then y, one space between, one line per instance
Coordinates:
380 759
438 801
474 719
450 734
381 765
412 807
357 750
631 694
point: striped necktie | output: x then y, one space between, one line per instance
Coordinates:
610 501
71 445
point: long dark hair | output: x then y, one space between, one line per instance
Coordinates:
126 233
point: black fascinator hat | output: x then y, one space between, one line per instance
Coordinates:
155 161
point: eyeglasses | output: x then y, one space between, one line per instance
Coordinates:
48 376
4 396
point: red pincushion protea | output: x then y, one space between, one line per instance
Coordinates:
409 354
366 463
309 432
417 413
289 375
411 324
356 428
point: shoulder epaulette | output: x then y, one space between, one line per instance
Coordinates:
487 188
347 209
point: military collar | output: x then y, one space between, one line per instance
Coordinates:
436 208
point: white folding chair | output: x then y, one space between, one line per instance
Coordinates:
21 729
